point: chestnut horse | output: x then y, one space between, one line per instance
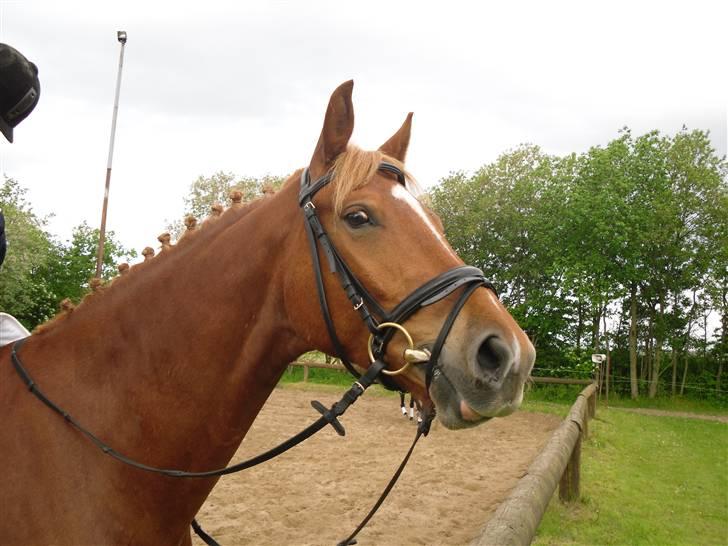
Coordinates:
171 362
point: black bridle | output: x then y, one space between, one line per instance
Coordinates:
373 316
371 313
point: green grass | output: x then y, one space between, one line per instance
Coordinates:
566 394
333 380
710 407
294 374
541 406
646 480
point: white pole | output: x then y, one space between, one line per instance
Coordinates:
121 36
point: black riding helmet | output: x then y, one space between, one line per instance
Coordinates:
19 89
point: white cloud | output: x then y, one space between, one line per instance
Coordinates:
242 87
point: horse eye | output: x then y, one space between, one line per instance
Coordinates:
357 218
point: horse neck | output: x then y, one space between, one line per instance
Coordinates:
192 342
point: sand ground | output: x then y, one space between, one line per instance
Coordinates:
318 492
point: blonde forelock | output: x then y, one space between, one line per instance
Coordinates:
356 168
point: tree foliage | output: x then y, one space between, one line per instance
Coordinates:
74 263
23 292
206 191
574 241
40 271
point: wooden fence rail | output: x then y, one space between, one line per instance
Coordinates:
517 518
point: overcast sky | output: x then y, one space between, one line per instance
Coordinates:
242 87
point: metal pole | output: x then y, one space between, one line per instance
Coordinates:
121 36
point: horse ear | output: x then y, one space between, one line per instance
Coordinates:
335 135
396 146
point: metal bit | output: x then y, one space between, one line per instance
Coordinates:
416 356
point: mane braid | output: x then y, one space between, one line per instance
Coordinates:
214 226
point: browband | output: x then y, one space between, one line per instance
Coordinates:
309 190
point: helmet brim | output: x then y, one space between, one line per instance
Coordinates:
6 130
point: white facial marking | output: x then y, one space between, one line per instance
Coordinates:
493 298
400 192
516 353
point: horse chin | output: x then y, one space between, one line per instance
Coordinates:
455 407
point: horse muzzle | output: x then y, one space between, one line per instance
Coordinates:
485 380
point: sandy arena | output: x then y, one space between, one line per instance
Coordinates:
318 492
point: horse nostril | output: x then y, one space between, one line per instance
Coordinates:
492 354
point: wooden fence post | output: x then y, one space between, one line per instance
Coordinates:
305 373
569 484
515 521
592 406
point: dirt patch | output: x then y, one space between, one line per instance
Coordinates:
318 492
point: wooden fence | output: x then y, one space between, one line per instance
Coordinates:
320 365
517 518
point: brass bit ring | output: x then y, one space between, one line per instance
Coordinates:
409 342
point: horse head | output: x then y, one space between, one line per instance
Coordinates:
393 245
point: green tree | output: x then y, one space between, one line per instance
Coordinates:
209 190
681 238
39 271
74 263
634 231
603 228
501 220
24 292
700 188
